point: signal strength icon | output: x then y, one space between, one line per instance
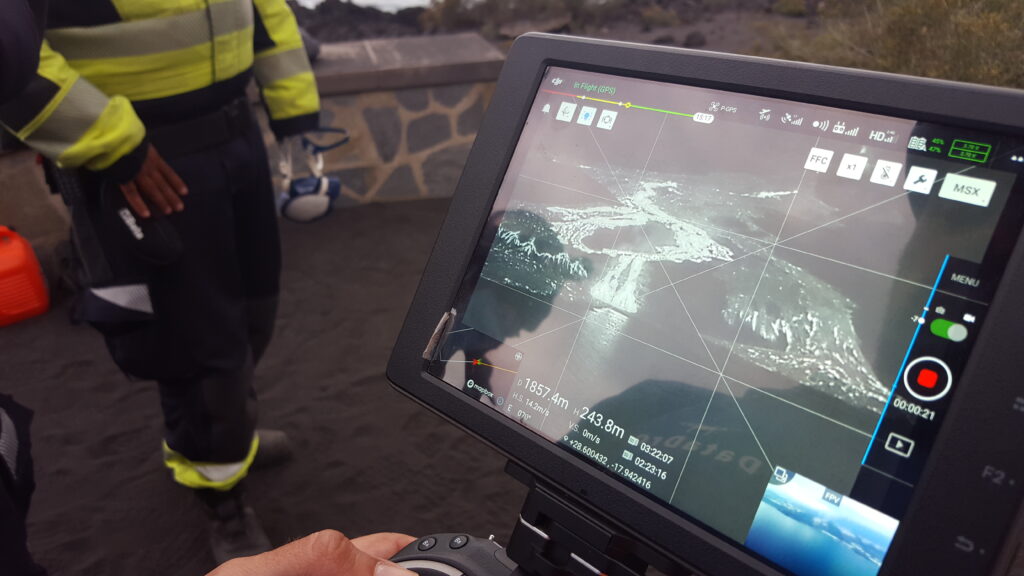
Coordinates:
792 119
821 125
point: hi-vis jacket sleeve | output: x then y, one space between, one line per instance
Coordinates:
70 121
283 71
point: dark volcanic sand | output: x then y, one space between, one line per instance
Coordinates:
367 459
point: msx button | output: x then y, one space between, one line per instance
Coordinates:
966 189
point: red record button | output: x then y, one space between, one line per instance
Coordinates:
927 378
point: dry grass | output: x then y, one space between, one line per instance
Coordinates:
487 15
979 41
790 7
655 16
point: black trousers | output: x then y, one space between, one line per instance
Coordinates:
16 486
213 308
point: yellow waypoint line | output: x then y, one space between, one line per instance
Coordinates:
619 103
479 363
599 100
665 111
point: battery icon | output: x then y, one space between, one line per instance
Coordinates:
949 330
970 151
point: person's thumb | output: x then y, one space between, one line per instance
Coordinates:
325 553
348 559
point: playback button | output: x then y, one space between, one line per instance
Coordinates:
899 445
928 379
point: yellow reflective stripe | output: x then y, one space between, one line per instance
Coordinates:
80 126
152 35
131 38
55 69
74 110
233 50
117 132
151 76
281 65
291 97
139 9
169 73
231 16
286 95
187 473
279 21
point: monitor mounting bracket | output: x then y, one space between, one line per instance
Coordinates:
555 536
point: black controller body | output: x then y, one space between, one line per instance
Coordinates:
455 555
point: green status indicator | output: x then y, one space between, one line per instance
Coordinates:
970 151
949 330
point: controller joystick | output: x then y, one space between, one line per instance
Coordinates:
455 555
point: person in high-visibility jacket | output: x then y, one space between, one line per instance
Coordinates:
173 211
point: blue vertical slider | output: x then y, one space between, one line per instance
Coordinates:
906 357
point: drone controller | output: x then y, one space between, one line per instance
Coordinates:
454 555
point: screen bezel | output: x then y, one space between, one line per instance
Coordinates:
986 384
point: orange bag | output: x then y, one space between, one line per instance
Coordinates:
23 292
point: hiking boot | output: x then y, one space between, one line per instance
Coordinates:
275 449
235 531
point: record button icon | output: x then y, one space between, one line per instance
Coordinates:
927 378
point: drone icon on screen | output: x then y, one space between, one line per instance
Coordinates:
781 474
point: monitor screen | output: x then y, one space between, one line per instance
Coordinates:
753 310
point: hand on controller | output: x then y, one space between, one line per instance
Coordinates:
156 185
455 555
326 553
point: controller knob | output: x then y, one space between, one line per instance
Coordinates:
430 568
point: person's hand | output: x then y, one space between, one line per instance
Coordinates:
157 185
326 553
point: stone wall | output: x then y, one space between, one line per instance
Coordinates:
412 107
405 144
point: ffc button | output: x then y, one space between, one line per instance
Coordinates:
818 160
968 190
